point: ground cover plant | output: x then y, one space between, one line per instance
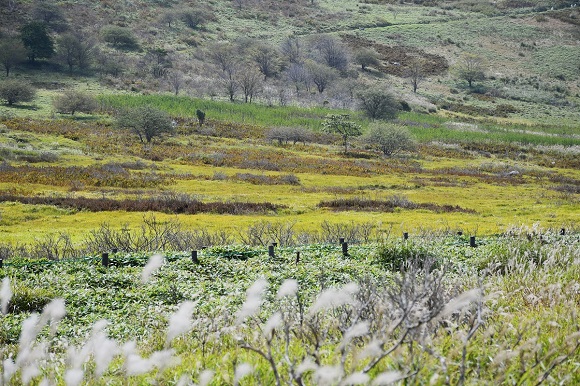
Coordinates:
430 309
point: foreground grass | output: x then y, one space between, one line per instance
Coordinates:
501 312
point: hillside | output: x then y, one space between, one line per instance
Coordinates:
529 51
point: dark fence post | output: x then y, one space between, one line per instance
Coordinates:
297 257
563 232
194 258
405 236
274 245
459 233
341 240
105 259
472 242
345 249
114 250
271 250
1 262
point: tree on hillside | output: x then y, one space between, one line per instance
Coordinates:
146 121
72 101
341 125
471 68
74 50
330 51
321 75
389 138
12 52
366 57
378 104
296 74
50 14
196 18
415 72
250 81
14 91
293 50
267 59
37 41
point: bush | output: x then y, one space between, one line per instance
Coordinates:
119 37
146 121
73 101
390 139
378 104
14 91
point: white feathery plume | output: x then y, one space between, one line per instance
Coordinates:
242 371
461 301
29 331
359 378
181 321
358 330
5 295
154 263
74 377
205 377
164 359
372 350
53 312
29 372
273 322
184 380
333 297
327 375
387 378
306 365
253 301
10 369
288 288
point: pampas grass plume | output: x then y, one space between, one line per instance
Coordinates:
288 288
180 322
5 295
154 263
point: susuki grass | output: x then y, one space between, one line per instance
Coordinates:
326 319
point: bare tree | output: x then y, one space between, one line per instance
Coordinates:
176 80
330 51
250 81
415 72
75 50
296 74
292 50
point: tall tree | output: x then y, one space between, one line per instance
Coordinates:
147 122
37 41
12 52
415 72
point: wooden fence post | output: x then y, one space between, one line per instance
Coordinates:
1 262
194 258
472 243
345 249
341 240
297 257
405 236
105 259
271 250
563 232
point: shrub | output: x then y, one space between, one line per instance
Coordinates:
119 37
14 91
390 139
146 121
378 104
73 101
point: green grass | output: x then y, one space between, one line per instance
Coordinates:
245 113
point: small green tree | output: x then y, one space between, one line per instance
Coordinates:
37 41
12 52
471 68
146 121
366 57
389 138
341 125
14 91
378 104
72 101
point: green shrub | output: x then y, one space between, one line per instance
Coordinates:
27 299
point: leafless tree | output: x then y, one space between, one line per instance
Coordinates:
267 59
176 80
415 72
321 75
330 51
292 49
297 74
250 81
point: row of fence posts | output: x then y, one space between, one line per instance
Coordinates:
271 249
